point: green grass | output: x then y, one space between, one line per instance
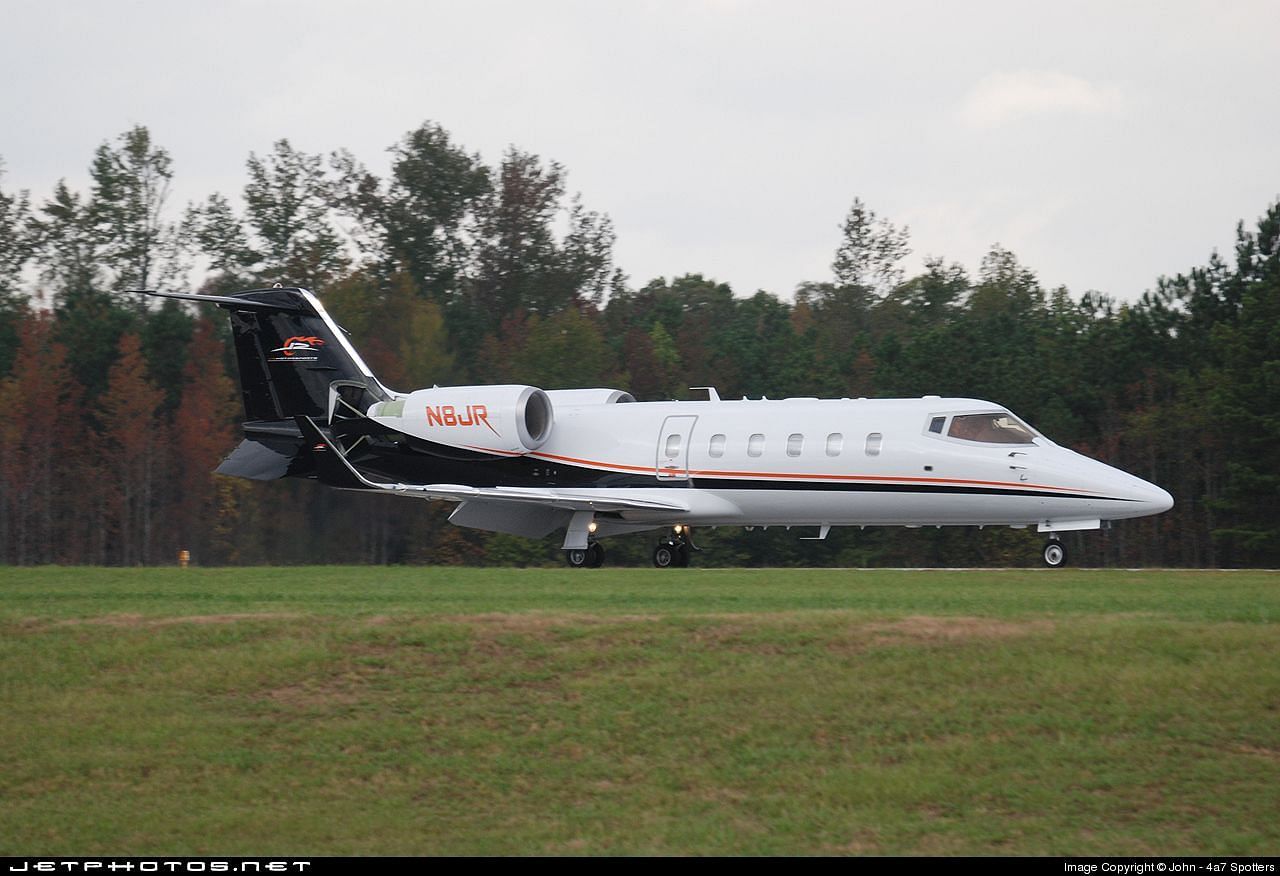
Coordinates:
430 711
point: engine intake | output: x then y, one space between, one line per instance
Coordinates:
509 420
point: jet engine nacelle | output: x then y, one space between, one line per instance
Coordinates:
564 398
503 419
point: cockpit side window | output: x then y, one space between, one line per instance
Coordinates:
935 425
996 427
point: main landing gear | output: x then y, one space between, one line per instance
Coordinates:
590 557
674 550
1054 553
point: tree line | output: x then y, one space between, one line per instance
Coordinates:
449 269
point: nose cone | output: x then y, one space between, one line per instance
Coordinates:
1135 497
1145 498
1155 500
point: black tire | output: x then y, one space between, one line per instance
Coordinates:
1054 554
595 555
682 556
578 557
665 555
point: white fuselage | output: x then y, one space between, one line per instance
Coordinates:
838 462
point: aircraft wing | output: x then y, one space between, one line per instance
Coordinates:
334 470
562 499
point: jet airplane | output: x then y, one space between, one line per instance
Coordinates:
595 462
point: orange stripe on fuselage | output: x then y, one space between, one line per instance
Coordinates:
616 466
493 450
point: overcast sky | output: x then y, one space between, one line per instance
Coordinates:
1104 143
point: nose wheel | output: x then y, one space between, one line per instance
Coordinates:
1054 554
674 550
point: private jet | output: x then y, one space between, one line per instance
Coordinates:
595 462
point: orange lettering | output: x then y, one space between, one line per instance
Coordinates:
447 415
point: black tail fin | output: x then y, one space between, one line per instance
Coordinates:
290 353
294 361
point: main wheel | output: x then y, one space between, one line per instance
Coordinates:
665 555
595 555
578 557
1055 554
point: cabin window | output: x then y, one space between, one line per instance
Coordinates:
672 448
755 445
835 443
716 447
795 444
935 425
874 440
997 427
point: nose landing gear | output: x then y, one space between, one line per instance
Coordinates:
1054 553
674 550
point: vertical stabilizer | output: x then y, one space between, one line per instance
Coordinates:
289 352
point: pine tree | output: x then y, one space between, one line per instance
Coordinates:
1248 398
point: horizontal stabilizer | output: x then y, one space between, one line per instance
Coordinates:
259 461
229 301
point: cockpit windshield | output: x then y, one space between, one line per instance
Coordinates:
997 427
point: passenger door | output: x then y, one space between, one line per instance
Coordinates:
672 462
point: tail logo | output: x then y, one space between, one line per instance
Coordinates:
297 349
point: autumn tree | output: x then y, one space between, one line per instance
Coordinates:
131 458
40 469
202 435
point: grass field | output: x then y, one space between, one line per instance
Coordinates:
422 711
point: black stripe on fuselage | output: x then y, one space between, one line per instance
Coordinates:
407 463
865 487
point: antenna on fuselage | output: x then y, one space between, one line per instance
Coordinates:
712 395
